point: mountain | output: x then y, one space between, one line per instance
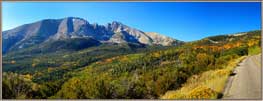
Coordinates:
229 38
160 39
51 30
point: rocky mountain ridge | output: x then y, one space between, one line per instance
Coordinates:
73 27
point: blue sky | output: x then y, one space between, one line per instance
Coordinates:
185 21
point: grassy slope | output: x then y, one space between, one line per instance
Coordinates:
207 85
210 84
254 50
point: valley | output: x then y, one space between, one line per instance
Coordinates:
72 59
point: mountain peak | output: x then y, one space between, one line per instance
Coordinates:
74 18
116 22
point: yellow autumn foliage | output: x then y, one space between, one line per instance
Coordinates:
27 77
50 69
156 54
13 62
202 92
33 64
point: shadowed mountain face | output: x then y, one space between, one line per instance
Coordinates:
51 30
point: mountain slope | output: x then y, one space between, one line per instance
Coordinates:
29 34
124 70
149 75
161 39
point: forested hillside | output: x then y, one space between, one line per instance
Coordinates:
120 71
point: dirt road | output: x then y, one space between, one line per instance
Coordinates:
245 83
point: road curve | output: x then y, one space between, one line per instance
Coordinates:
246 81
